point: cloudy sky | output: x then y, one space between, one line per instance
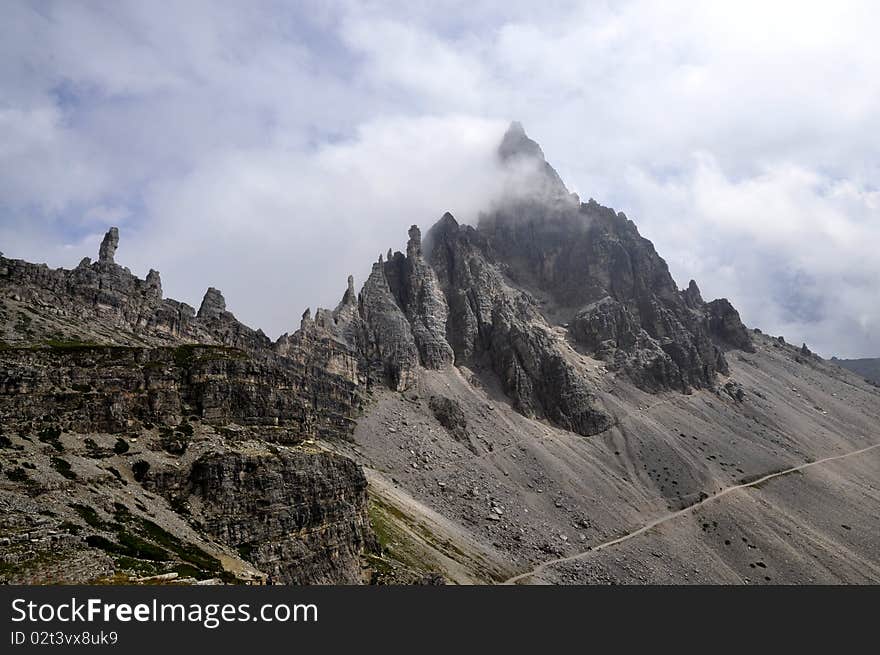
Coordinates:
272 148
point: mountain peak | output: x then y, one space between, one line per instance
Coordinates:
525 158
213 304
516 143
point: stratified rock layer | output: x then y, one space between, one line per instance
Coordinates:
299 517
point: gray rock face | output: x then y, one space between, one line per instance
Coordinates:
416 290
593 270
102 302
154 285
726 326
388 345
102 353
517 149
290 511
108 246
396 324
110 388
213 304
692 297
299 517
494 324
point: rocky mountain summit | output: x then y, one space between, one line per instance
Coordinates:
593 273
140 437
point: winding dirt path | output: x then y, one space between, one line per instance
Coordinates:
681 512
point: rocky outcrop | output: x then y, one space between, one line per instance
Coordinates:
213 305
387 345
449 414
519 300
417 292
726 326
541 181
223 436
111 388
595 272
692 296
108 246
397 322
300 517
103 302
224 328
497 325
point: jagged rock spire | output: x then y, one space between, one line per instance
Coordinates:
692 296
154 282
213 304
350 296
414 245
108 246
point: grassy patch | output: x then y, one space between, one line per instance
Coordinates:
65 345
139 469
90 516
186 551
18 475
141 567
129 545
70 526
52 436
189 571
245 550
63 467
189 354
141 548
94 451
116 474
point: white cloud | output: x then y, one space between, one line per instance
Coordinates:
293 225
794 250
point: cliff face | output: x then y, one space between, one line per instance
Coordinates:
192 424
87 388
298 516
595 275
195 432
492 322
